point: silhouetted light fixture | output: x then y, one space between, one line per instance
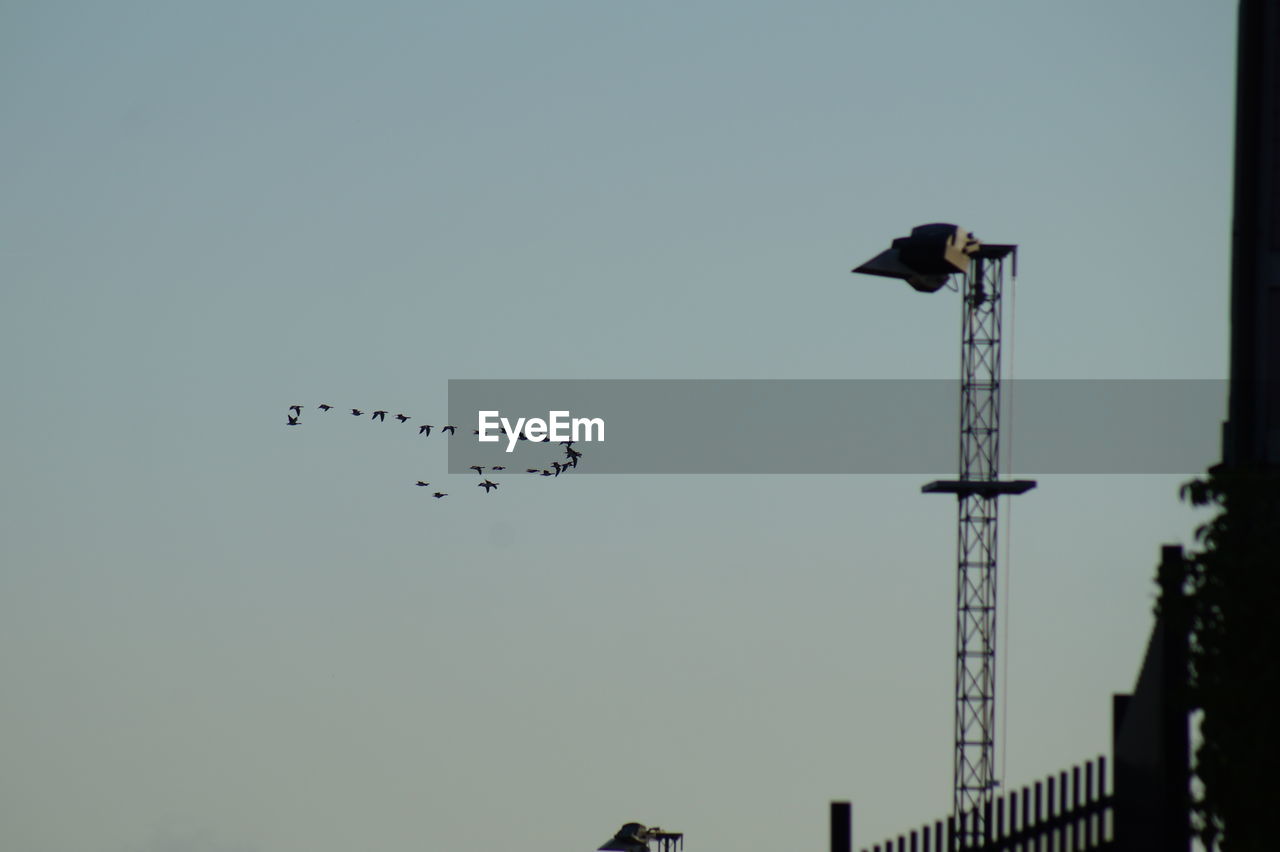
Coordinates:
634 837
927 258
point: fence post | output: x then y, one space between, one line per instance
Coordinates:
841 827
1039 819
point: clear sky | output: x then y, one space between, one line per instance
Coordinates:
220 634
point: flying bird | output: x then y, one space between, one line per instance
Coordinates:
532 470
323 407
450 429
293 421
357 412
422 484
401 417
497 467
440 494
380 415
296 409
477 468
424 429
487 485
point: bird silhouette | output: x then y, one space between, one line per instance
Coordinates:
379 415
422 484
357 412
532 470
477 468
450 429
497 467
424 429
440 494
296 409
293 421
401 417
487 485
324 407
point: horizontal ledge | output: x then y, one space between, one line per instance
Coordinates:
980 487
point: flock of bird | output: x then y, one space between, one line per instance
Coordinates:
294 418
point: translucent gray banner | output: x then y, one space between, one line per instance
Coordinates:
821 426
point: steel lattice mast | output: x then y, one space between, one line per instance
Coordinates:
978 491
927 260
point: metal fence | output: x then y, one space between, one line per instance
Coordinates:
1073 811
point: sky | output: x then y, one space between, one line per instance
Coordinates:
222 634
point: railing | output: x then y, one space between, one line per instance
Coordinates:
1054 815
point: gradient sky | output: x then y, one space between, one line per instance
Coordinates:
218 634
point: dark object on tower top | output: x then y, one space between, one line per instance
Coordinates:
927 258
634 837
